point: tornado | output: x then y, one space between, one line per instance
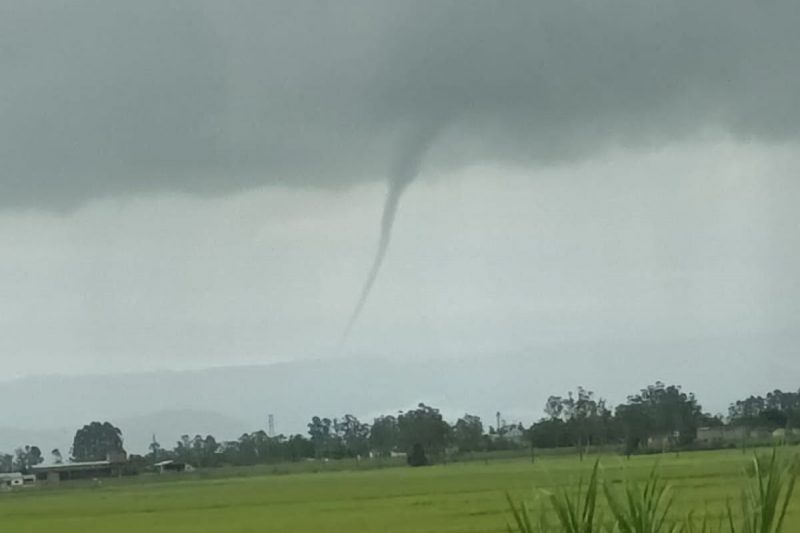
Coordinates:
402 173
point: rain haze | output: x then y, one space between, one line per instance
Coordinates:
230 209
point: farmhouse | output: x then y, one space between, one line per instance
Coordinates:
94 469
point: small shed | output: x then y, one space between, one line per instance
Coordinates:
16 479
172 466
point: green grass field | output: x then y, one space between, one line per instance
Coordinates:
464 497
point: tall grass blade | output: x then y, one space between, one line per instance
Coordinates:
766 498
644 508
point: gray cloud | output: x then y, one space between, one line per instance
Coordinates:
110 98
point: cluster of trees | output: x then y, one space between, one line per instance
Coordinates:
777 409
659 416
338 438
93 442
662 413
23 459
249 449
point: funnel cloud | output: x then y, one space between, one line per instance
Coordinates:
402 174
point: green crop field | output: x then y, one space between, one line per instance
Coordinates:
464 497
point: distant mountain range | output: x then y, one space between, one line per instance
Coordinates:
227 401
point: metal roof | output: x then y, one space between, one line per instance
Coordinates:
72 466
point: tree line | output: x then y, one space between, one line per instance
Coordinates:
657 418
93 442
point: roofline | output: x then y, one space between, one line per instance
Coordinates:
72 466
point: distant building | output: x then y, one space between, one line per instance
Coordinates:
663 441
16 479
55 473
514 434
173 466
13 479
721 435
783 435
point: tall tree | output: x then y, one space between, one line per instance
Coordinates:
299 448
354 435
97 442
183 449
585 418
661 412
27 457
57 458
554 407
548 433
384 435
6 463
582 413
424 426
634 423
321 435
155 450
468 433
201 451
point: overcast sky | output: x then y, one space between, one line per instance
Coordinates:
191 184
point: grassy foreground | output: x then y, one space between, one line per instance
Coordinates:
464 497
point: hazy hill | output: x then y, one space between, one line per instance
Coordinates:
227 401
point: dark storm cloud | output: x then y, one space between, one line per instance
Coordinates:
105 98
